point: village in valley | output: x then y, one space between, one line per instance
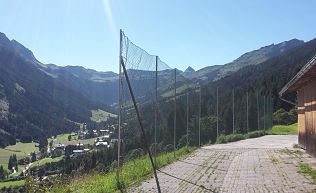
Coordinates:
72 144
83 141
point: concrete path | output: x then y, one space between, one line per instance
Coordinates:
265 164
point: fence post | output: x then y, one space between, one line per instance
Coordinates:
233 111
264 112
156 106
258 111
187 118
200 109
119 113
247 113
175 113
216 112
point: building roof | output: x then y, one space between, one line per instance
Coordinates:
58 145
77 151
305 75
101 143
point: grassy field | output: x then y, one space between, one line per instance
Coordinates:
46 160
283 130
74 142
179 90
64 137
12 183
20 149
132 172
5 167
100 115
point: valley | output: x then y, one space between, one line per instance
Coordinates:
78 131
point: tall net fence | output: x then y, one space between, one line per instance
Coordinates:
161 110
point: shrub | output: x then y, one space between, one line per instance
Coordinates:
282 117
237 137
168 148
254 134
135 153
230 138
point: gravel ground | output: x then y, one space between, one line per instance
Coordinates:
265 164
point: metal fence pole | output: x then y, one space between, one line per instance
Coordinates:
233 111
200 109
187 118
175 113
217 112
247 113
156 106
119 113
258 111
264 112
141 125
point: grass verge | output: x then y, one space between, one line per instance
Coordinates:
64 137
46 160
307 170
20 149
275 130
238 137
132 172
283 130
12 183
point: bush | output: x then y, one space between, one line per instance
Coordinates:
254 134
237 137
135 153
282 117
221 139
168 148
230 138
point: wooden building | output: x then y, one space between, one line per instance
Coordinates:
304 83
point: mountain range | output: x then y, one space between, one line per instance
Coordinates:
212 73
39 100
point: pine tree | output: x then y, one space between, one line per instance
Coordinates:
33 158
93 160
2 174
10 163
16 166
67 165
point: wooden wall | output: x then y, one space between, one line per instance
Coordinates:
307 117
301 118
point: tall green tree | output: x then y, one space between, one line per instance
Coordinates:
33 157
2 173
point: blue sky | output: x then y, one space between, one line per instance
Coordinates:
198 33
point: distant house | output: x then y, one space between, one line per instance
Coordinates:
78 151
58 150
104 131
105 137
102 145
304 83
114 141
79 145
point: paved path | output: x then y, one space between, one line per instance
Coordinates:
265 164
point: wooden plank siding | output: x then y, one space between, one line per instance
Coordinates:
304 83
301 118
307 117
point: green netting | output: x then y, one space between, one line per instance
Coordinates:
176 111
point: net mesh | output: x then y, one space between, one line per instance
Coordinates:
176 111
